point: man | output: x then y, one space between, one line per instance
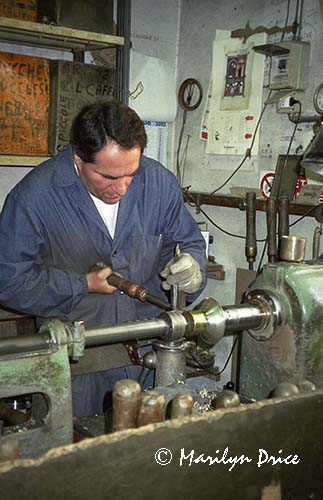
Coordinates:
98 200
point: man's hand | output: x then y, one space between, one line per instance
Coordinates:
97 281
184 271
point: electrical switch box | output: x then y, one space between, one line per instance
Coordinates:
290 66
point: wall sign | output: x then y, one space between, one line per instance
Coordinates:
266 184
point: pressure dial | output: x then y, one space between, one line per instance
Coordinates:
318 99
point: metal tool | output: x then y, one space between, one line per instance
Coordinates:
174 297
316 241
136 291
177 296
283 216
131 289
251 242
271 213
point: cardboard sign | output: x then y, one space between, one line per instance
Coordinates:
74 85
24 104
310 194
26 10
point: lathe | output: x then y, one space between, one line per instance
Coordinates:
280 324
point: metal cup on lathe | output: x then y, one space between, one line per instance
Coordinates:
292 248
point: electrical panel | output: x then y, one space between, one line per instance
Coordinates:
236 96
290 66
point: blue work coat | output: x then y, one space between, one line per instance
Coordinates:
51 233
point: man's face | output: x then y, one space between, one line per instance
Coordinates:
110 176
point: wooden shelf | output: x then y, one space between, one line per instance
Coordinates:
21 160
227 200
16 31
55 37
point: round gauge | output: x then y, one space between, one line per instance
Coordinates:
318 99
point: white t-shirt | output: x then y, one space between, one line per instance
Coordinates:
109 213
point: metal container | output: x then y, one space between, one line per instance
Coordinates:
292 248
152 408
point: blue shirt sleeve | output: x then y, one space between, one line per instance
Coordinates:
25 283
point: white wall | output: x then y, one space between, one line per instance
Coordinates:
155 33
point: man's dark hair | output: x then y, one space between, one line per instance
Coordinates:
101 123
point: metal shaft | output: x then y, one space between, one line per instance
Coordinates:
212 323
145 329
242 317
15 345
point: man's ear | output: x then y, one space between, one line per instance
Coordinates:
78 161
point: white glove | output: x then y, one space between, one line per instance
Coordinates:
184 271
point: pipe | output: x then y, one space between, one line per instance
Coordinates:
123 52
